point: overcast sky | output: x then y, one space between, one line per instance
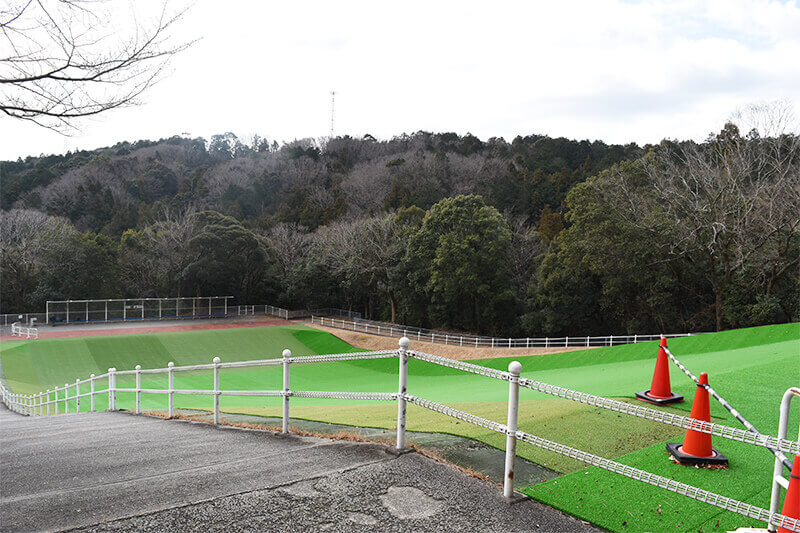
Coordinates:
598 69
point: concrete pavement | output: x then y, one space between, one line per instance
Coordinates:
120 472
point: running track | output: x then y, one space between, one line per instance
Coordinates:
55 333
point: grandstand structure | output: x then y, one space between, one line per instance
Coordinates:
129 309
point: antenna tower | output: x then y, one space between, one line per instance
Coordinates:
333 102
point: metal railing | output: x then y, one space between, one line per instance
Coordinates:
35 405
388 329
778 481
8 319
19 330
155 309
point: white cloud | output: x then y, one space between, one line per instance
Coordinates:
608 69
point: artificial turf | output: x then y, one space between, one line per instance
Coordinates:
751 368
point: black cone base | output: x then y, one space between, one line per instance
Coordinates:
674 449
643 395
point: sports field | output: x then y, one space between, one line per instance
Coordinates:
751 368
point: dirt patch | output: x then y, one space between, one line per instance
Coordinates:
462 353
46 333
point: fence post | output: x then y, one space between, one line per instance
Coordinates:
514 369
91 393
170 387
55 399
587 341
401 397
112 394
66 398
48 402
286 355
216 390
78 394
138 389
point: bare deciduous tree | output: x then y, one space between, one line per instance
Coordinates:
364 251
153 259
28 236
723 204
61 60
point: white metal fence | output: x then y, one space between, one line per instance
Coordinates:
18 330
8 319
139 309
456 339
40 404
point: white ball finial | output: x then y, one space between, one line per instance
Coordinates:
170 364
138 367
404 342
287 354
217 360
515 367
91 376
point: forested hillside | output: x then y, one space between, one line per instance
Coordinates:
534 236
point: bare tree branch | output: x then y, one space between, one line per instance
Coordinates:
62 60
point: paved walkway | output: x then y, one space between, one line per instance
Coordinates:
120 472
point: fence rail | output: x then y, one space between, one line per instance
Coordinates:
37 404
388 329
340 319
154 309
18 330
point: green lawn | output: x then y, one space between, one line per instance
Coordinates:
751 368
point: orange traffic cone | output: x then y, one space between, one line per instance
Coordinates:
660 392
696 448
791 504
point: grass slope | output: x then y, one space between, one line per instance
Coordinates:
32 366
752 377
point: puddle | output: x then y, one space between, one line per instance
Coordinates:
461 451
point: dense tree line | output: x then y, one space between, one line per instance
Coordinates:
535 236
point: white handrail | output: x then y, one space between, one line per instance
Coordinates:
387 329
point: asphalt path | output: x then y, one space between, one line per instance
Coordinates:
121 472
